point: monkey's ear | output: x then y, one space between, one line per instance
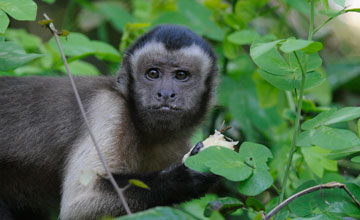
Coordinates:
123 81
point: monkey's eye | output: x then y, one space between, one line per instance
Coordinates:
153 74
181 75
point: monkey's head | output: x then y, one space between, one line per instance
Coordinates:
168 77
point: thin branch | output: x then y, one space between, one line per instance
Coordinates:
118 190
310 190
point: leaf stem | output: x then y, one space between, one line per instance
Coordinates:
329 19
312 13
298 105
322 25
296 131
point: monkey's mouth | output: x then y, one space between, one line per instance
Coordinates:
164 108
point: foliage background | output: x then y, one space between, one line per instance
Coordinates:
256 109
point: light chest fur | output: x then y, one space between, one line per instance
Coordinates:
122 151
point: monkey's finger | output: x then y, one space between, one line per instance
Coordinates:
197 148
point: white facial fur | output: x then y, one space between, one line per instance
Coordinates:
185 55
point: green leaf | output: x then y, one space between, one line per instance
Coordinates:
314 62
225 206
248 10
291 45
158 213
317 217
216 215
256 184
328 138
105 51
279 73
243 37
237 166
230 50
243 104
78 45
255 204
267 57
75 44
335 72
195 207
334 138
342 153
292 81
300 5
229 169
304 139
195 16
308 106
115 13
313 48
267 93
200 16
28 41
80 67
225 90
12 56
139 183
221 161
332 177
49 1
283 214
332 116
255 155
355 159
325 4
316 159
302 205
19 9
340 2
237 101
4 22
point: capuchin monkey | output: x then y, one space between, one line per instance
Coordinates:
142 120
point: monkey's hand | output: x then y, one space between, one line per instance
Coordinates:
217 139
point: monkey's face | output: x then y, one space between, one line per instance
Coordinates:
169 86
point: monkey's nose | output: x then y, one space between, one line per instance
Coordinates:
166 94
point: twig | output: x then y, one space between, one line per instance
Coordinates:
306 191
118 190
225 129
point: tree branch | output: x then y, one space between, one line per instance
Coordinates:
306 191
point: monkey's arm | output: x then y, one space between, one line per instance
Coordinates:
173 185
170 186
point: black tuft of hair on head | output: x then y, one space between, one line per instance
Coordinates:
173 37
